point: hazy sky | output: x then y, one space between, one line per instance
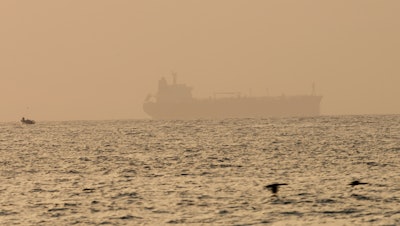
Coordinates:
98 59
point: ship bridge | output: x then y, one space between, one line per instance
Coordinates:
173 92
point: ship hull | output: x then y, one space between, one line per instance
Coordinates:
251 107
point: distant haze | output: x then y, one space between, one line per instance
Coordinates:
98 59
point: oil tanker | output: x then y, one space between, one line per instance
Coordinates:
175 101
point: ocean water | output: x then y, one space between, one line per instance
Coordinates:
202 172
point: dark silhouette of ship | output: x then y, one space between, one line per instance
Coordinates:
175 101
27 121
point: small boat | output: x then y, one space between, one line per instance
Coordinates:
27 121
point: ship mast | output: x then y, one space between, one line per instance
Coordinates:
173 77
313 93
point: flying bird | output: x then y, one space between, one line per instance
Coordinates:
356 182
274 187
